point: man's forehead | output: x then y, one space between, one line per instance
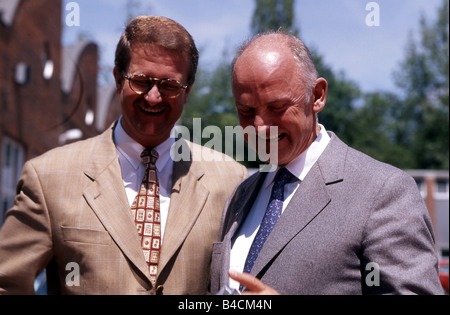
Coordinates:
269 52
263 62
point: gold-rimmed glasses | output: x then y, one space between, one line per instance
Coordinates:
142 84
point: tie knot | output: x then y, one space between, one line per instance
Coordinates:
283 176
149 156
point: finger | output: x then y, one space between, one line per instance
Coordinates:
252 283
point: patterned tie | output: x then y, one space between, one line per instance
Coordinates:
146 212
273 213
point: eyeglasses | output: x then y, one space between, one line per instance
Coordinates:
142 84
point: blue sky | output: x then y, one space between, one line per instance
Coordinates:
336 29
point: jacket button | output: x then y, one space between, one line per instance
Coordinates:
159 290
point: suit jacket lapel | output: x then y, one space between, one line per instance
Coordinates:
184 209
242 202
297 215
107 198
310 199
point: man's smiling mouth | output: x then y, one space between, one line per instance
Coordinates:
154 110
273 139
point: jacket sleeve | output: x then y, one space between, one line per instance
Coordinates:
25 237
398 247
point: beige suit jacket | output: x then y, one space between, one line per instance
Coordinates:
72 216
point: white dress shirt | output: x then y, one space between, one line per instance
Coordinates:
129 152
299 167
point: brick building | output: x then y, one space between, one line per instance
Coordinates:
48 93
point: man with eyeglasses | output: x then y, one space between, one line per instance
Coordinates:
75 213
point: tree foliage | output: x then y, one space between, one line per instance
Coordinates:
424 78
270 15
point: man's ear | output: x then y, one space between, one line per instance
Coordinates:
320 95
119 80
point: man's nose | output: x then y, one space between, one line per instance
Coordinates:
263 119
153 97
259 121
263 125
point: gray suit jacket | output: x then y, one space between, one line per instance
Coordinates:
350 212
72 216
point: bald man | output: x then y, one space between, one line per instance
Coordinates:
330 219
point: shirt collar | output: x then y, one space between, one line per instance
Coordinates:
300 166
132 150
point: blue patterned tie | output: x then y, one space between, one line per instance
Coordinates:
273 213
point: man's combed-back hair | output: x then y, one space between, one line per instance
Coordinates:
156 30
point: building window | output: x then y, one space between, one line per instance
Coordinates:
12 162
22 73
47 63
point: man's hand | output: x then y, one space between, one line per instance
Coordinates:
253 285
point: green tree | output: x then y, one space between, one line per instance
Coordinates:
270 15
343 94
379 131
424 78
